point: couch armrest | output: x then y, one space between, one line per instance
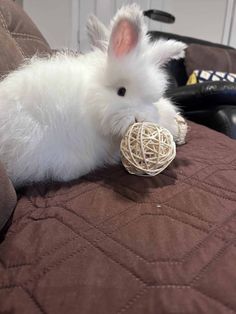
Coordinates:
208 95
8 197
221 119
224 120
19 37
212 104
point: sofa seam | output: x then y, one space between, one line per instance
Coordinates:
30 295
205 268
109 236
190 252
229 307
27 35
48 268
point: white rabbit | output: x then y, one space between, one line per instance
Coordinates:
63 116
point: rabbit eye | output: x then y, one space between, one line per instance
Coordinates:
121 91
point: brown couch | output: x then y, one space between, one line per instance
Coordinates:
115 243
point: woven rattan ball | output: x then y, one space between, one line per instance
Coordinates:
147 149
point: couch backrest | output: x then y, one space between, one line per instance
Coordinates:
176 68
19 37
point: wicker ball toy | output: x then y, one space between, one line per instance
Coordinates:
147 149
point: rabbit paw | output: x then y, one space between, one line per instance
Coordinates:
182 127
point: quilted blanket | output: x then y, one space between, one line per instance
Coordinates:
115 243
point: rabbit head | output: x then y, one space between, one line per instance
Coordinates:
129 68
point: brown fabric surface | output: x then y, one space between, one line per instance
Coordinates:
7 198
19 37
117 243
199 57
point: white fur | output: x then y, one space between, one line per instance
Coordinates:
61 117
97 32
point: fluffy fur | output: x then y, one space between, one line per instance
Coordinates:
61 117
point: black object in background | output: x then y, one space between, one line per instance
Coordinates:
160 16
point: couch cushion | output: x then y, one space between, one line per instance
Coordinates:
19 37
116 243
7 197
200 57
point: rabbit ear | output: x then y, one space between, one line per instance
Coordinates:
162 51
97 32
124 38
127 30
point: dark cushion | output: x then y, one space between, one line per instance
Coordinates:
200 57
